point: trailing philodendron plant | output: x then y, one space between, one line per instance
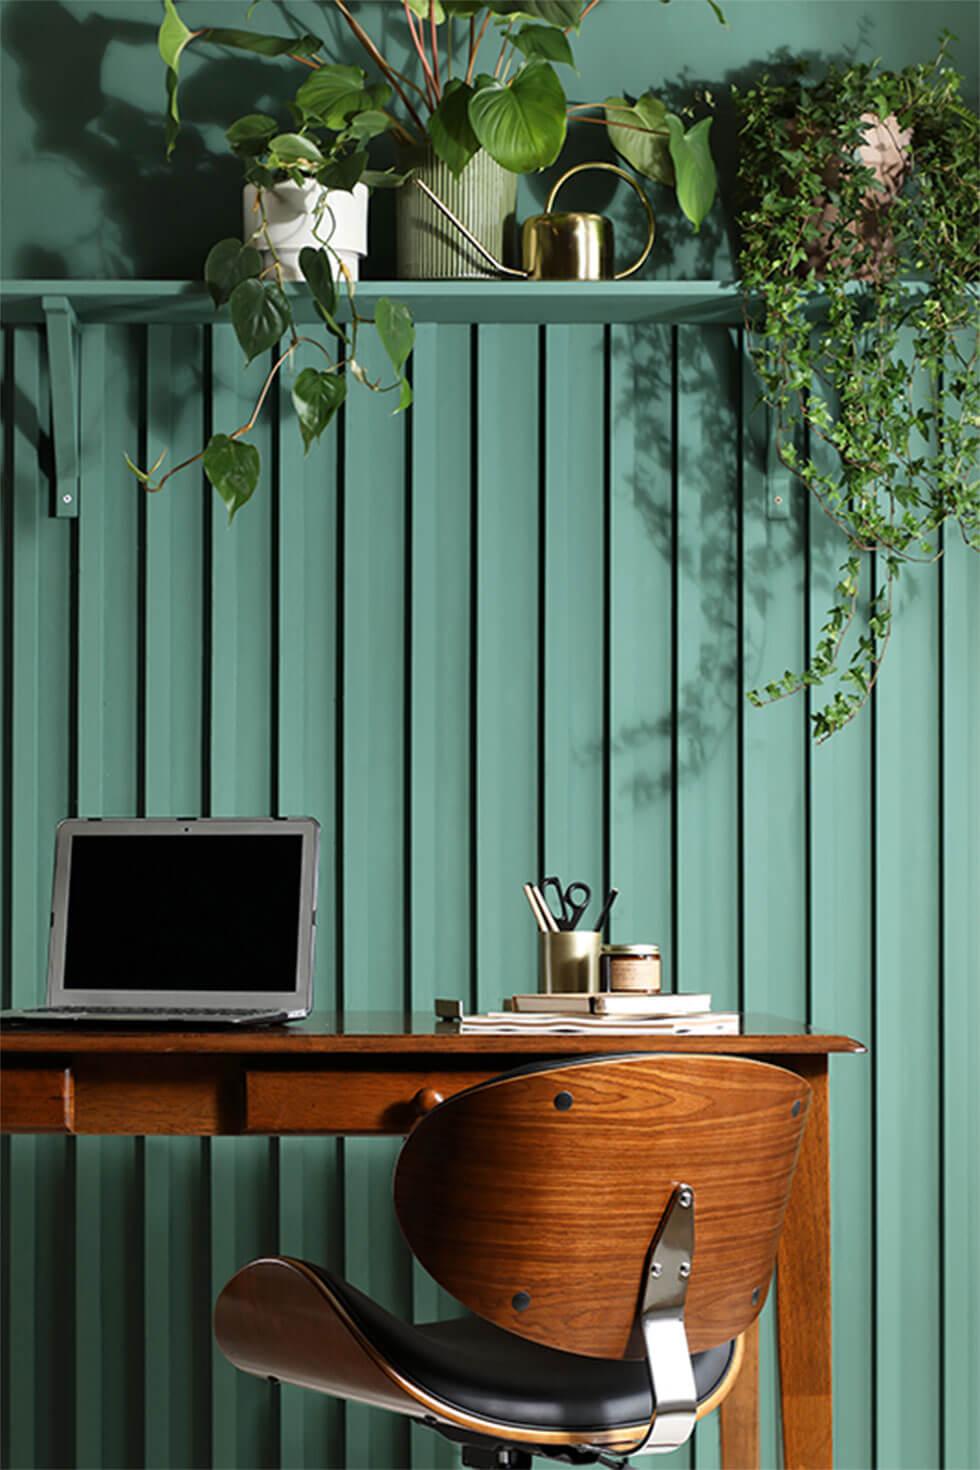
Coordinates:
336 113
863 187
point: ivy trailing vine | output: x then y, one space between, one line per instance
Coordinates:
863 187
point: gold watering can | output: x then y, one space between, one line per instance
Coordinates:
563 247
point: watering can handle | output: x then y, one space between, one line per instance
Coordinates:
612 168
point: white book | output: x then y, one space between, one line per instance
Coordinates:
612 1002
509 1023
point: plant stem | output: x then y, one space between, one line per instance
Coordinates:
475 44
386 69
430 85
503 47
246 427
435 45
600 122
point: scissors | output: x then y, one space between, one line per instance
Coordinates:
572 902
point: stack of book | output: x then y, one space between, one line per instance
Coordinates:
610 1013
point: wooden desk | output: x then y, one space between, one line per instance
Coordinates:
377 1073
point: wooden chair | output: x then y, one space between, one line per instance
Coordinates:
611 1224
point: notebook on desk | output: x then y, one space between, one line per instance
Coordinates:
190 921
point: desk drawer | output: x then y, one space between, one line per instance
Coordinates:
36 1100
348 1101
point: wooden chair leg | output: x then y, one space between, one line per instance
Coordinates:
740 1411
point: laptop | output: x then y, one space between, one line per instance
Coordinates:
186 921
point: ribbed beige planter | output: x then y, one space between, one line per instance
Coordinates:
484 197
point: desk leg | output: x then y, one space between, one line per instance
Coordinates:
804 1292
740 1411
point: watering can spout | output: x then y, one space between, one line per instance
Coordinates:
468 236
561 247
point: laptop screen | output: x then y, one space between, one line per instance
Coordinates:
162 913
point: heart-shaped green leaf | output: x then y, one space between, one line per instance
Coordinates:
316 398
233 469
249 135
382 178
694 168
450 129
315 265
544 42
342 173
305 45
521 124
396 329
290 150
369 124
228 264
563 13
260 314
333 93
172 37
648 151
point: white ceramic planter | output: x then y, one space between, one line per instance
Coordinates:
296 220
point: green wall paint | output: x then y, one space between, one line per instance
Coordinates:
470 653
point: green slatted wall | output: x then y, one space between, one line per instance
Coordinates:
508 632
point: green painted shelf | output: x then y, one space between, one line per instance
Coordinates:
554 302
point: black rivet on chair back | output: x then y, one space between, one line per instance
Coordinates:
563 1101
520 1301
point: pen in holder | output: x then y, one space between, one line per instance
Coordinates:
569 961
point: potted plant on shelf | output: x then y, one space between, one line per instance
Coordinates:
863 187
466 132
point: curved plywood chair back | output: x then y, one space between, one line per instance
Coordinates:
534 1198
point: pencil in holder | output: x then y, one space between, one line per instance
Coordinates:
569 962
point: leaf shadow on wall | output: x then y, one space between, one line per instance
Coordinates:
686 493
157 219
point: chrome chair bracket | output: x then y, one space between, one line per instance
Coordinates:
662 1324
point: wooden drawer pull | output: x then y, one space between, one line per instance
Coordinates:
426 1099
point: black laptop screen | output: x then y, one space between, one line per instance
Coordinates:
189 912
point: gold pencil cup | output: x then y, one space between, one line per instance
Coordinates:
569 962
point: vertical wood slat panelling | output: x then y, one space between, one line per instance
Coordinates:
508 630
177 1351
907 897
960 590
572 671
440 787
108 1270
374 850
309 1169
240 779
773 850
842 991
640 637
37 1224
507 655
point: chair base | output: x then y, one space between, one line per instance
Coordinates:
496 1459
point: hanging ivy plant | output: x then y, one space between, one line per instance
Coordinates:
863 187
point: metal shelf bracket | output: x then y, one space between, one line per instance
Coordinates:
61 330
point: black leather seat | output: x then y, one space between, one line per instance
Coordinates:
497 1375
